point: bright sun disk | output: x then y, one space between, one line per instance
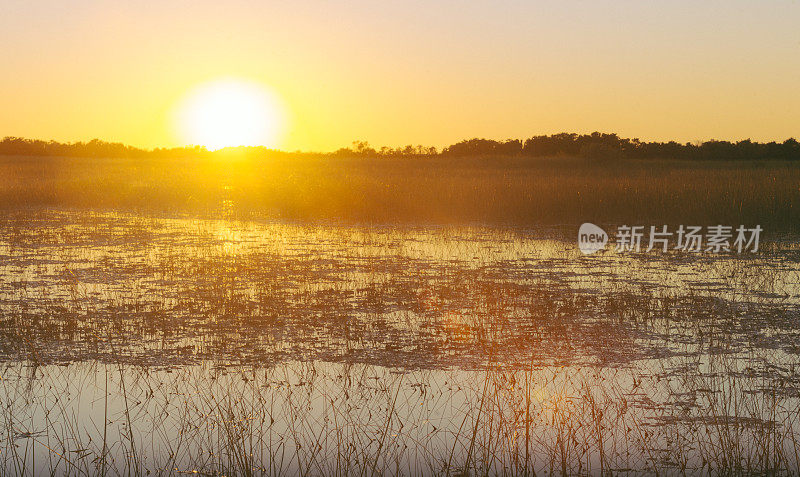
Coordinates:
230 113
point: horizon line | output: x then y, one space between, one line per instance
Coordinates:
363 146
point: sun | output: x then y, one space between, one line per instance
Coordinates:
230 112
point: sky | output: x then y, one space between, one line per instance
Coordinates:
406 72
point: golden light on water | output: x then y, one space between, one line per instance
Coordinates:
230 112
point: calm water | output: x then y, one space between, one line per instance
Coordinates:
231 347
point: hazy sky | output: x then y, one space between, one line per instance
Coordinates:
399 72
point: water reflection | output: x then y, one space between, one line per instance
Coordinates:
280 347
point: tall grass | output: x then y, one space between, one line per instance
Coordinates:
446 190
323 419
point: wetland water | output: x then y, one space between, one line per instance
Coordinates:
133 344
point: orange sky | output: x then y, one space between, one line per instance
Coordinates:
395 73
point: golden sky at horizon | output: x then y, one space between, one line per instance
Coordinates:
412 72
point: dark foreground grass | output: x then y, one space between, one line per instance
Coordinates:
490 190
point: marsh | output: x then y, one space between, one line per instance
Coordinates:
140 341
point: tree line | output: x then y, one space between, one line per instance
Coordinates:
610 146
598 146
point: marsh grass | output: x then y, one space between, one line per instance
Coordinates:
321 419
269 293
137 344
503 190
